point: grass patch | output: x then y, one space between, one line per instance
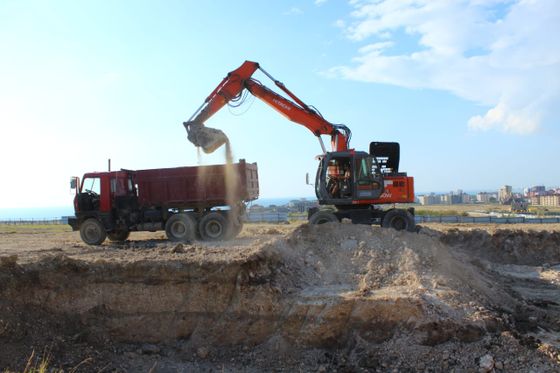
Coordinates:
33 228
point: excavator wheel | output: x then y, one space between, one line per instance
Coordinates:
214 227
399 220
322 217
180 228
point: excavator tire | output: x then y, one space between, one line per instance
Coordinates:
399 220
214 227
322 217
180 228
92 232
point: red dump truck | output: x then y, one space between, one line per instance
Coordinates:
203 202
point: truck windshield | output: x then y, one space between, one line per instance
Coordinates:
92 184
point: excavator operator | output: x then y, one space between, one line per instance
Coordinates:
340 179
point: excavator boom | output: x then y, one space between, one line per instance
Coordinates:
231 88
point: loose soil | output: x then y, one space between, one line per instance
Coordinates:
333 297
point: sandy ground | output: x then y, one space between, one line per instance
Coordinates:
335 297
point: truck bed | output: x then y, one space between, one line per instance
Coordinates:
198 186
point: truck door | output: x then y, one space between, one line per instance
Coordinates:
94 193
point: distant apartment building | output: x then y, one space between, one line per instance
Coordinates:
429 199
505 193
485 197
466 198
536 191
550 200
451 198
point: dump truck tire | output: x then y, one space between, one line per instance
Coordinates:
399 220
118 235
92 232
180 228
214 227
322 217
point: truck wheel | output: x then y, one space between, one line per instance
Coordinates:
118 235
400 220
92 232
180 227
214 227
322 217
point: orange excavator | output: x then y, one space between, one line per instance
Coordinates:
352 183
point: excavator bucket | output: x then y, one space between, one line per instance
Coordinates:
209 139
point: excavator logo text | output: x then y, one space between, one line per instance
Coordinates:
281 104
386 194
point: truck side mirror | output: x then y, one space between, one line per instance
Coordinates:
73 183
307 179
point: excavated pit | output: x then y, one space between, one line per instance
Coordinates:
350 289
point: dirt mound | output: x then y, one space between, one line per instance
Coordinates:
508 246
330 296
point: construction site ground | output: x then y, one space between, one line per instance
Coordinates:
332 297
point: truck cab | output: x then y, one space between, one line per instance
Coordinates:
98 191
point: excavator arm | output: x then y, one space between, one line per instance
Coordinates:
231 89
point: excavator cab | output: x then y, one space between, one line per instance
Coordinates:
346 177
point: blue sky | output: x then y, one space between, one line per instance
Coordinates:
469 88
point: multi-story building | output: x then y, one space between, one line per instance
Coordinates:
466 198
429 199
550 200
536 191
505 193
485 197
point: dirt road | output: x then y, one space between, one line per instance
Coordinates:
314 298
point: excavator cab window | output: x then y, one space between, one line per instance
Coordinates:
339 178
367 170
363 171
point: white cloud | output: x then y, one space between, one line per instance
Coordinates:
501 54
320 2
339 23
293 11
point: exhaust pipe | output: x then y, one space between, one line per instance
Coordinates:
209 139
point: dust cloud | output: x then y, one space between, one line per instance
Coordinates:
231 179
